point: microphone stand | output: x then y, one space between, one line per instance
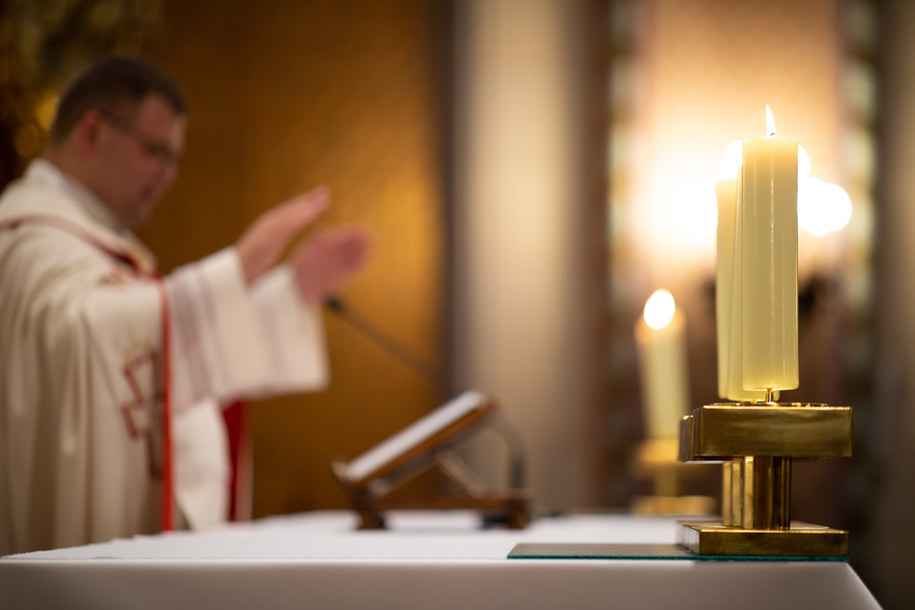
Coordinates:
385 342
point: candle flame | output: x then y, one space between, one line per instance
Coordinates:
659 309
770 122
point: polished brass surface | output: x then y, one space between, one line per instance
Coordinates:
756 444
727 502
684 452
766 492
732 492
725 430
800 540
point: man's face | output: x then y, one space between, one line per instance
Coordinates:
138 158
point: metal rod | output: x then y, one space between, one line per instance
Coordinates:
767 492
732 493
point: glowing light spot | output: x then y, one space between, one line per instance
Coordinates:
838 208
659 309
822 207
732 159
803 164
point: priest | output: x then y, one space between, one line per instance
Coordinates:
112 376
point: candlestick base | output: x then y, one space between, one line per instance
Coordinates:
800 540
756 444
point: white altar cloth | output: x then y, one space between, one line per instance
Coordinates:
436 561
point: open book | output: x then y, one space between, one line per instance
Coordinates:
369 478
440 428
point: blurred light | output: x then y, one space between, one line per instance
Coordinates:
697 215
684 216
838 208
46 110
810 197
659 309
803 164
732 159
822 207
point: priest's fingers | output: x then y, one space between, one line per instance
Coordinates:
324 263
261 246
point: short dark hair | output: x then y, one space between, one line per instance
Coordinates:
111 83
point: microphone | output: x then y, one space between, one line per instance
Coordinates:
501 426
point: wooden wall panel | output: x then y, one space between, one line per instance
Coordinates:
286 96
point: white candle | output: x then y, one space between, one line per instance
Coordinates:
660 338
769 261
728 296
726 193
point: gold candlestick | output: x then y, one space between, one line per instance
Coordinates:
756 444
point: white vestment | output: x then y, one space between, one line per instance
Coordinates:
91 343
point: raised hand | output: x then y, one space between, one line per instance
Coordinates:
264 242
325 262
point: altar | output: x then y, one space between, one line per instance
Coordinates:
424 560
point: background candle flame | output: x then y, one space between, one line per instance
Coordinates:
770 122
659 309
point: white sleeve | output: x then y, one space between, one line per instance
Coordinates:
295 333
229 340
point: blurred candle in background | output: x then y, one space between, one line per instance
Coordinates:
660 338
769 234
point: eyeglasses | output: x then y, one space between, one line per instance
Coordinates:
158 151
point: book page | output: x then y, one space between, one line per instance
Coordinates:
379 455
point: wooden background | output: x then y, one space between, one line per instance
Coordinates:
286 96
